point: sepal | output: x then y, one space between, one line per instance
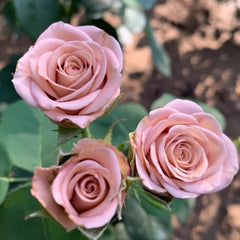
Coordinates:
63 157
92 233
65 134
108 136
40 213
146 197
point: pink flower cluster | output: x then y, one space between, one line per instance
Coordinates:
73 75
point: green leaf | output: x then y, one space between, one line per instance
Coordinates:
5 171
108 234
7 91
182 208
237 143
134 19
93 233
20 204
9 14
97 6
166 98
35 15
132 112
108 136
153 204
28 136
141 226
160 56
131 4
120 232
65 134
3 189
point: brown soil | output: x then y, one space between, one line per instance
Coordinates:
202 38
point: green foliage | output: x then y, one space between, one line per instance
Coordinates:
182 208
166 98
142 226
65 134
5 171
9 13
237 143
35 16
131 16
28 136
7 91
159 54
17 206
97 6
153 204
132 113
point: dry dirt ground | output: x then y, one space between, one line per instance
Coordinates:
202 38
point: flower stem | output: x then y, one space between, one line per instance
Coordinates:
15 179
86 133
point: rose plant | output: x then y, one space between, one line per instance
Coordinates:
81 175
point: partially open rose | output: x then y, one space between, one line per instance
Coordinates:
72 73
86 190
181 150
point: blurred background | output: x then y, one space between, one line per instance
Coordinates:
188 48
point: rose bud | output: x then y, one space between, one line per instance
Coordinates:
181 150
72 74
86 190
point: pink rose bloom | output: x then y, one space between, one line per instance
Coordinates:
86 190
72 74
181 150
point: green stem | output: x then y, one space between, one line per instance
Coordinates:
87 133
15 179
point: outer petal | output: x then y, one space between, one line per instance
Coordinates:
184 106
63 31
22 79
41 189
61 118
23 88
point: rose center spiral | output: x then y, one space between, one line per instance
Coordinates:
89 191
89 186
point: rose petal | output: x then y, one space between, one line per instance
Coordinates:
105 40
46 103
106 93
184 106
209 122
41 190
64 31
98 220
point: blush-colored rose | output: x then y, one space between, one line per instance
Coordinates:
72 74
181 150
87 189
